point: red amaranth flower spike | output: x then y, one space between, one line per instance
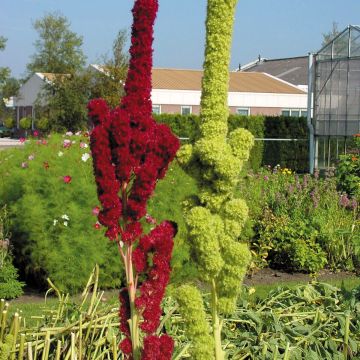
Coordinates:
131 152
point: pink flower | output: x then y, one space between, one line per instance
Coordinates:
67 179
36 133
31 157
22 140
95 211
83 145
43 142
24 165
97 225
66 143
149 219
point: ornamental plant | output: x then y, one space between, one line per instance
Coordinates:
131 152
215 218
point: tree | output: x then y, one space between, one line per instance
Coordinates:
67 98
4 71
327 37
109 81
58 49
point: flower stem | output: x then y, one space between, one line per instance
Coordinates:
219 353
134 317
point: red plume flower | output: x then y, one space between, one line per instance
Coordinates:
131 152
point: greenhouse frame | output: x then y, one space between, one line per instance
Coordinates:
334 95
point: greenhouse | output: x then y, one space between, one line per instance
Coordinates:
335 74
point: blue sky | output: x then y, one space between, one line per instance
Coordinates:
272 28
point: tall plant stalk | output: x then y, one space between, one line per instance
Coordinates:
130 153
216 217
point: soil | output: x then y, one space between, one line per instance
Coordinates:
270 276
262 277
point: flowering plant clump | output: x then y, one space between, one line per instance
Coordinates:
131 152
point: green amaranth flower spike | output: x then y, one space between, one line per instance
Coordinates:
216 219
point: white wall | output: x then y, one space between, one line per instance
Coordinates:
189 97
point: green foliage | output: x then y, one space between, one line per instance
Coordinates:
9 122
312 321
32 184
25 123
4 71
348 170
10 286
293 244
197 329
58 49
184 126
290 154
42 124
67 101
108 82
5 347
300 223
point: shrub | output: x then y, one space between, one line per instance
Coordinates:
25 123
10 286
348 170
34 183
9 122
296 222
42 124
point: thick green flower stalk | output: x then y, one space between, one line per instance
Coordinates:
216 218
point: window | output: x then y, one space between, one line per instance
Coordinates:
285 113
186 110
294 112
243 111
156 109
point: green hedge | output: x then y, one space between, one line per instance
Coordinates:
291 154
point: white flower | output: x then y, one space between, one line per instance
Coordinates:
65 223
68 133
55 222
85 157
73 142
65 217
78 133
60 153
83 145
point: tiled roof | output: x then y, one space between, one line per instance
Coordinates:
293 70
252 82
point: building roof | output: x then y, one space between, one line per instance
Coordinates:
293 70
250 82
50 77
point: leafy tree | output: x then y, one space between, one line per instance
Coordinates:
4 71
67 100
330 35
58 49
109 81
